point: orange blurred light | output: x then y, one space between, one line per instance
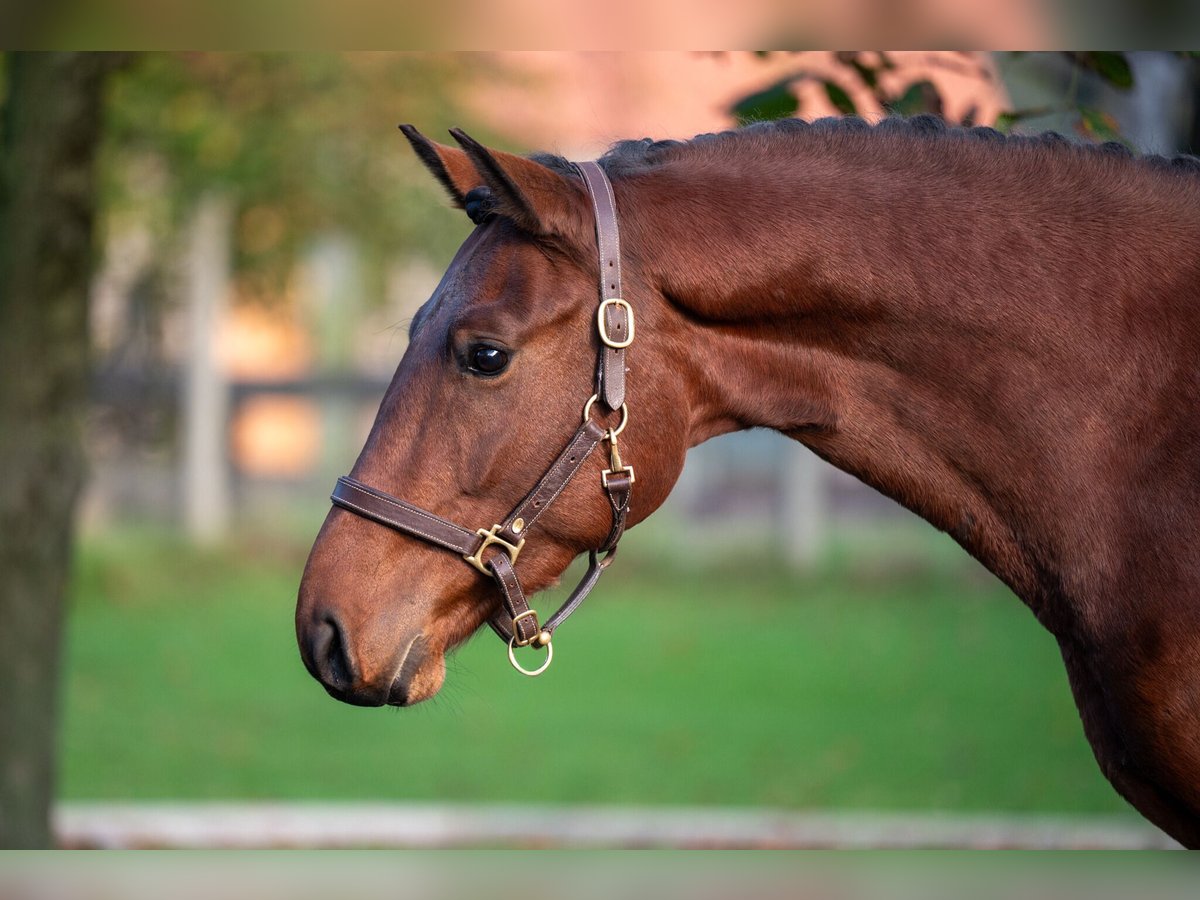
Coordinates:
276 436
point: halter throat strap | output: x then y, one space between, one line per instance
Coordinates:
495 551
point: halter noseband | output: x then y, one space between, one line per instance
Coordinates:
494 551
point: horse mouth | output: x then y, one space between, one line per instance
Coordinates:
420 675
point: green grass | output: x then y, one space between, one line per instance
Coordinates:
859 685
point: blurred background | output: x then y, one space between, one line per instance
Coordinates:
261 237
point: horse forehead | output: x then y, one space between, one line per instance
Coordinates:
502 265
460 282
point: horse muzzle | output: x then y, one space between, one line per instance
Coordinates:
412 673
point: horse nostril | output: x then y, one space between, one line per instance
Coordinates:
330 654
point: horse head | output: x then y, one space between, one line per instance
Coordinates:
500 362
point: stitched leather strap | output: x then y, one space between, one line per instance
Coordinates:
514 606
619 488
515 603
560 473
617 322
395 513
596 566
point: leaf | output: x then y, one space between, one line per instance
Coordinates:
1099 125
776 102
840 99
1007 120
919 97
1112 66
851 59
866 73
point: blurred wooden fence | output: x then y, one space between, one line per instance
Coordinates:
336 825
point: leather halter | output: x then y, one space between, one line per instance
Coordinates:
494 551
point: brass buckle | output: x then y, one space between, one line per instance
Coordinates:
489 538
614 461
537 629
603 325
607 472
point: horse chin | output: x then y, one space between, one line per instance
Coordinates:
420 677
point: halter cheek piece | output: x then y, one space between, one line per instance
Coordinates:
494 551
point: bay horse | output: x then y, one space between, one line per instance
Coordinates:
1001 333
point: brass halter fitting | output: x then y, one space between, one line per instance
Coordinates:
532 673
491 537
540 637
602 324
587 413
614 459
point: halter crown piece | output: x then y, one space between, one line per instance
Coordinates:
494 551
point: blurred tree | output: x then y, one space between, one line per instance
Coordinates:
290 139
305 148
298 142
915 95
906 92
51 133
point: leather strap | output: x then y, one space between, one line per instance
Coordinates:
619 487
617 321
596 566
395 513
515 603
515 620
560 473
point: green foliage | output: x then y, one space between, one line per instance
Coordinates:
303 142
920 97
779 100
775 102
1113 67
868 74
868 683
1007 121
1099 125
839 98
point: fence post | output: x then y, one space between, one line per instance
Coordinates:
333 292
802 511
206 502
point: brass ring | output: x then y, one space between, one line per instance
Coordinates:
532 673
587 413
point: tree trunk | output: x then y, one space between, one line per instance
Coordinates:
1193 139
51 128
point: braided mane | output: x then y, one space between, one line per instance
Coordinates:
632 156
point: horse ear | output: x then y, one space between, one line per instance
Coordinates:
537 199
449 165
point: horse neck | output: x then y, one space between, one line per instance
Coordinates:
942 329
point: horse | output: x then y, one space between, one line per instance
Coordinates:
1002 333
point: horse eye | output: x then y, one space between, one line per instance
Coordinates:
488 360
